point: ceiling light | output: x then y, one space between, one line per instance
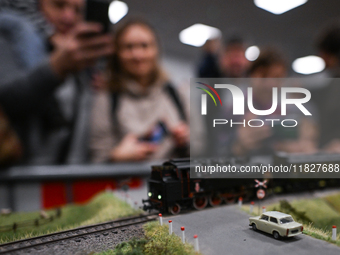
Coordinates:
278 6
197 34
117 11
252 53
308 65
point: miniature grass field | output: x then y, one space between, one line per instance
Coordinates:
323 213
103 207
157 241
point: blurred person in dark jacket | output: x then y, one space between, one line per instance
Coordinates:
327 98
266 73
228 62
223 61
44 54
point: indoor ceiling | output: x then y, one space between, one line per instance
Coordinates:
294 32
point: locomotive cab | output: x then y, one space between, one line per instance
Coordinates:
164 188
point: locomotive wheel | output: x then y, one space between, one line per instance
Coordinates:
200 203
215 200
230 199
175 209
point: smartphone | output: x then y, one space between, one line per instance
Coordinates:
98 11
157 134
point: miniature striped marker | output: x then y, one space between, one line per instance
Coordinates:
129 200
263 209
334 232
197 249
170 227
160 219
183 234
251 208
240 200
136 205
122 195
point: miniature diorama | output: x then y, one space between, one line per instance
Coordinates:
276 223
142 127
169 190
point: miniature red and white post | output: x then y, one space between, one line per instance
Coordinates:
160 219
240 200
334 232
136 205
183 234
263 209
129 200
251 208
197 249
170 227
120 195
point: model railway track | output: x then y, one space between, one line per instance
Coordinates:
73 233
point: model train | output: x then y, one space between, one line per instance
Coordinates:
170 188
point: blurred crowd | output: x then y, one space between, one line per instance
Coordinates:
71 94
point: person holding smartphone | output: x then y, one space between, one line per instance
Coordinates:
44 88
140 115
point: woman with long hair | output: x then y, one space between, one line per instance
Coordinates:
140 115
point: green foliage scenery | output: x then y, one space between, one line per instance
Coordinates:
318 215
157 241
103 207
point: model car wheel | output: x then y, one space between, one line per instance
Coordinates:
200 203
254 226
175 209
276 235
215 200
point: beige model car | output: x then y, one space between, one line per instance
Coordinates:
276 223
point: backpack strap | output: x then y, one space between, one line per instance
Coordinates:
114 105
172 92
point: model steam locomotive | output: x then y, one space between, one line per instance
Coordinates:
171 189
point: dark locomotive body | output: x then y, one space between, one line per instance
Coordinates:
171 189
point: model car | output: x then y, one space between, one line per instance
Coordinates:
276 223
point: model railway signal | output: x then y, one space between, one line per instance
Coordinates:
261 184
260 194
